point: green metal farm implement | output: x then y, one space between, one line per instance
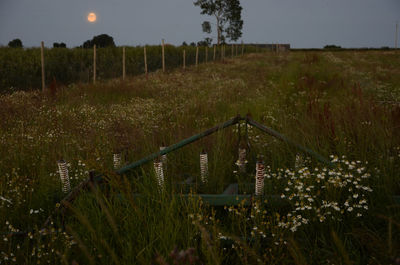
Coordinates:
233 194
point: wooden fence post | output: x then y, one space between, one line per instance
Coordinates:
94 64
397 35
163 57
145 60
184 59
236 47
232 51
215 49
197 55
42 60
206 54
123 64
242 48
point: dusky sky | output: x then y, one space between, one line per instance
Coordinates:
302 23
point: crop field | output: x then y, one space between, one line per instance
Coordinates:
344 105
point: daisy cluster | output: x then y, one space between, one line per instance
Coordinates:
48 250
17 189
326 194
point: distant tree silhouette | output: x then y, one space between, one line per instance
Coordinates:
17 43
193 44
100 41
332 47
205 42
184 43
87 44
103 40
59 45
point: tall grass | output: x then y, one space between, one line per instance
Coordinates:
21 68
306 96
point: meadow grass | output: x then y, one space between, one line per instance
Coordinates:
344 105
66 66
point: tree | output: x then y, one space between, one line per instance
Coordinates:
103 40
100 41
332 47
228 15
17 43
205 42
87 44
59 45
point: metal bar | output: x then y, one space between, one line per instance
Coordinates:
75 192
287 140
179 145
188 180
232 189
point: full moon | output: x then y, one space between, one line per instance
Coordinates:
91 17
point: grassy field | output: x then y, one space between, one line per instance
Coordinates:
67 66
344 105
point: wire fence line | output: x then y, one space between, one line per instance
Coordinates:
23 69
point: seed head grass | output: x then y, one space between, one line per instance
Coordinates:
344 105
